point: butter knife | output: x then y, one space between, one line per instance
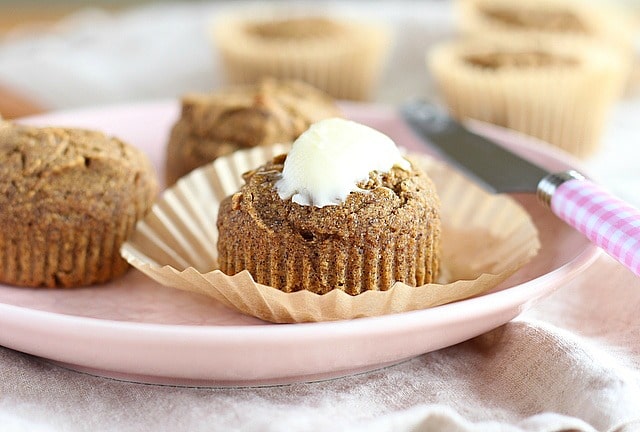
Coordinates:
604 219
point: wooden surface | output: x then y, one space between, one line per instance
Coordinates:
14 15
14 105
18 16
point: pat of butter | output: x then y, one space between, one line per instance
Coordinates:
328 160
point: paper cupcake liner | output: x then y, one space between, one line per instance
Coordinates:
582 20
591 22
564 105
347 65
486 238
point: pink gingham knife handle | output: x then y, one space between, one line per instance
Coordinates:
604 219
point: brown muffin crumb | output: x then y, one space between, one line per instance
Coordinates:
389 233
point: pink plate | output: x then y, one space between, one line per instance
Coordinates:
136 329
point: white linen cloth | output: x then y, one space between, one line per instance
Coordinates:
572 362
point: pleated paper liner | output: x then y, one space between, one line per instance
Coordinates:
343 58
485 237
565 100
564 19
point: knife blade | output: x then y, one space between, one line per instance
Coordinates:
604 219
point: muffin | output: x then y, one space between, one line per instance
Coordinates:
68 199
343 58
567 19
559 92
310 225
562 21
217 124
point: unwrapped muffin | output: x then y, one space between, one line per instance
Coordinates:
343 58
68 199
558 92
217 124
343 210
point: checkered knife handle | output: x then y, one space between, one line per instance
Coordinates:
606 220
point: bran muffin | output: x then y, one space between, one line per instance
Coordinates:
218 124
388 232
68 199
563 19
558 92
343 57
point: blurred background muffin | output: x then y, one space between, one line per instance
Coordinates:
559 92
215 124
345 58
69 198
560 21
343 209
577 19
552 69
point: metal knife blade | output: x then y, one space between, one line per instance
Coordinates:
604 219
473 154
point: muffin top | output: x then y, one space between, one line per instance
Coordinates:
69 175
535 18
268 112
524 57
337 173
571 20
387 200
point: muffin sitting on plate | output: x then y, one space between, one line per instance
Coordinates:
68 199
339 226
217 124
342 210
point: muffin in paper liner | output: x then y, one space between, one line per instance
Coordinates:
343 58
563 21
560 92
389 232
485 238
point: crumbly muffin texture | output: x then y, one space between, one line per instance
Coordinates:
68 200
389 232
218 124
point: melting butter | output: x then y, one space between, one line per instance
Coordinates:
329 159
